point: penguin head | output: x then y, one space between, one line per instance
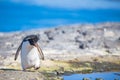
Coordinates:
33 39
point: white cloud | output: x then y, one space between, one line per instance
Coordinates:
72 4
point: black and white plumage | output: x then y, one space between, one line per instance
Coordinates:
30 52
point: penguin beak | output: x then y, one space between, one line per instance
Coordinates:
39 50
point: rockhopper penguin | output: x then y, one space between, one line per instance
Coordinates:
30 52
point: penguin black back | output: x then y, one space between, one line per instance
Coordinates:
32 39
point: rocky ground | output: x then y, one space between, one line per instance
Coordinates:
79 48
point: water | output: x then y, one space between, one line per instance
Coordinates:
93 76
16 17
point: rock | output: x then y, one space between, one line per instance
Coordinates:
83 45
119 38
63 31
116 79
84 33
109 34
20 75
78 39
49 35
85 79
99 79
88 64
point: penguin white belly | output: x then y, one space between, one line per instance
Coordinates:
29 56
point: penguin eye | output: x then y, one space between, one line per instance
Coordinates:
31 41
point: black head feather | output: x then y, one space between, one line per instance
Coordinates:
32 39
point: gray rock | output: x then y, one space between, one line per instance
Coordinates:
20 75
99 79
85 79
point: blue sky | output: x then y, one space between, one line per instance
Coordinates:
28 14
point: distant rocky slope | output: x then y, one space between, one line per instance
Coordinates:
68 49
79 39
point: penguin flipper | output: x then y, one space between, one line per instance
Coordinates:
18 50
40 51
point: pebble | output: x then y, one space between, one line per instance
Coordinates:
99 79
85 79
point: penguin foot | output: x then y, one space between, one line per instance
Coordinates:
37 68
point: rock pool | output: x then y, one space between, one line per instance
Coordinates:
94 76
